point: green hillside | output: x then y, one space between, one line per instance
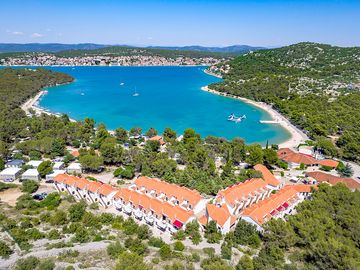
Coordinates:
312 84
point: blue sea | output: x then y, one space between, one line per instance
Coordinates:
167 97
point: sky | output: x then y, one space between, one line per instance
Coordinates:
178 23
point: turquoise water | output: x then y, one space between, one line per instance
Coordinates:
168 97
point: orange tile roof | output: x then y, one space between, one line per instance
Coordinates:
170 190
157 138
303 188
60 178
242 191
93 186
155 205
219 214
260 212
106 190
70 180
203 220
75 153
333 180
328 163
81 183
289 155
267 175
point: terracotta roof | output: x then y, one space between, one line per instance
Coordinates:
81 183
106 189
220 214
157 138
149 203
60 178
70 180
267 175
93 186
289 155
303 188
242 191
260 212
170 190
333 180
203 220
75 153
328 163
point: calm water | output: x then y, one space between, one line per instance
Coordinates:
168 97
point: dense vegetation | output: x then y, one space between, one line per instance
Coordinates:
308 83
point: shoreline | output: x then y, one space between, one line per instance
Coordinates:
296 135
31 103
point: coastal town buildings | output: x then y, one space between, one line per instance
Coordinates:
43 59
34 163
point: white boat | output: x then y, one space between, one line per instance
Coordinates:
232 117
122 84
136 93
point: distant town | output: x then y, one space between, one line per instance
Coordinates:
44 59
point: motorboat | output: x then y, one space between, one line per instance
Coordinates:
233 118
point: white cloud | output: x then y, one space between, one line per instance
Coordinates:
36 35
150 38
17 33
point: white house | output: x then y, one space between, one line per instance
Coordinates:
53 174
34 163
58 165
31 174
10 174
74 168
106 193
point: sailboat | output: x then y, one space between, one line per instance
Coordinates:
136 93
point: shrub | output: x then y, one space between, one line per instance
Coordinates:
30 186
156 242
53 234
115 249
47 264
165 252
29 263
179 246
5 250
76 211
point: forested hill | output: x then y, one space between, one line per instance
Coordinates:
133 51
16 86
314 85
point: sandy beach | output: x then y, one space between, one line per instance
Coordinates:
297 136
31 103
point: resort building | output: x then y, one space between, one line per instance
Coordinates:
277 205
333 180
221 215
173 194
106 194
242 195
31 174
294 159
51 176
271 181
74 168
16 163
34 163
10 174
